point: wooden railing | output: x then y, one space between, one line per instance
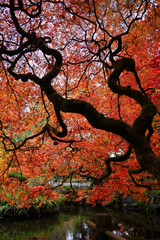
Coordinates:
102 227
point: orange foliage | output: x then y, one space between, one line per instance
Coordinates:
23 112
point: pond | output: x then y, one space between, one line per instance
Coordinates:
71 225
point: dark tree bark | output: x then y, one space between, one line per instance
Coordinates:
135 135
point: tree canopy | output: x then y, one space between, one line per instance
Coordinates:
79 85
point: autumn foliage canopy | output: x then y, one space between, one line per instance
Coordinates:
79 93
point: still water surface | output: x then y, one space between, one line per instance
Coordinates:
71 225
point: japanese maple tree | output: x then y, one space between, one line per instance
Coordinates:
79 97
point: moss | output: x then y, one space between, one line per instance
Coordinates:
17 175
155 192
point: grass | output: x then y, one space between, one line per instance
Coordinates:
8 210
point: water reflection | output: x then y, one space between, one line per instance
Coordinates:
71 225
136 225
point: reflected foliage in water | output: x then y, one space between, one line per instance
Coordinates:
63 226
71 225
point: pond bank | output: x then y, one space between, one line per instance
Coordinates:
54 207
128 204
134 205
11 211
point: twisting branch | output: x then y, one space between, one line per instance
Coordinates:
47 128
127 64
136 171
44 104
5 137
108 170
63 133
31 15
15 21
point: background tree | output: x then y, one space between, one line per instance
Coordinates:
67 115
